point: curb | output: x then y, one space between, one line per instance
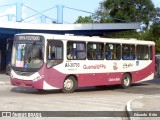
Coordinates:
129 110
5 83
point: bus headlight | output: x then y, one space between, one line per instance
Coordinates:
38 78
12 76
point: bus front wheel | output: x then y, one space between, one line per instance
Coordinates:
126 81
69 85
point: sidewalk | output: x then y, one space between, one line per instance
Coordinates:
4 79
144 108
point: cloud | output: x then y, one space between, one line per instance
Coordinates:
5 11
11 10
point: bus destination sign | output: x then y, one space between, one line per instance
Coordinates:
28 37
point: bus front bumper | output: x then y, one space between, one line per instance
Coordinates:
27 83
40 84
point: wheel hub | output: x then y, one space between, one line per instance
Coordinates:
68 84
126 81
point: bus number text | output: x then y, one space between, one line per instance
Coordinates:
72 65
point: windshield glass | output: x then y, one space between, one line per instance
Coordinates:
27 56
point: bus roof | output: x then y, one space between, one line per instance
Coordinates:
71 37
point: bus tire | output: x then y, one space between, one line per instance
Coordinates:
69 85
126 81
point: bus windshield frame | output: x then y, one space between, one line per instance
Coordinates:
27 53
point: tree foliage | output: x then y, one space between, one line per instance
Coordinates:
126 10
155 31
86 19
102 15
154 34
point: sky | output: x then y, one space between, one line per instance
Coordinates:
69 16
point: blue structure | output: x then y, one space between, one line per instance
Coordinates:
9 28
10 17
43 19
19 12
60 14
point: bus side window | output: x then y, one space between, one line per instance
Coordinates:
128 52
108 52
95 51
76 50
54 53
150 53
113 51
142 52
70 50
81 51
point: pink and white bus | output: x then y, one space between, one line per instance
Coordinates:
67 62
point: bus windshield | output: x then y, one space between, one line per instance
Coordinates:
27 56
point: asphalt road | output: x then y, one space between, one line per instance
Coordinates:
109 98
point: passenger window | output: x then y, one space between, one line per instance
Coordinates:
113 51
128 52
54 53
95 51
151 54
76 50
142 52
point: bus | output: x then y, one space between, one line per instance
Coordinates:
68 62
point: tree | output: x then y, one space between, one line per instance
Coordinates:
102 15
155 31
142 11
154 34
157 16
86 19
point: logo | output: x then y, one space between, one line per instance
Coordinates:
17 114
6 114
115 67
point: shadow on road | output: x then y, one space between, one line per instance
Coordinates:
33 91
151 87
84 89
147 88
